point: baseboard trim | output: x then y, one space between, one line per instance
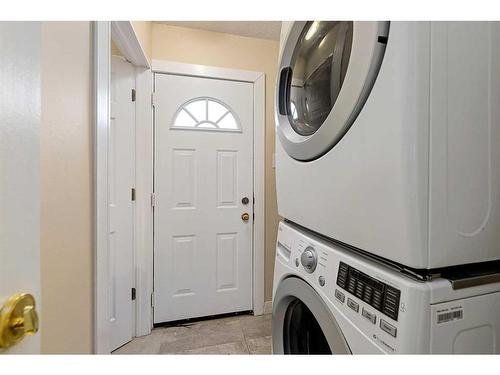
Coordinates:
268 307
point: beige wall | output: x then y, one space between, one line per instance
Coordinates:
231 51
144 31
66 189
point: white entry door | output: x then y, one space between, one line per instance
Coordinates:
121 206
20 110
204 192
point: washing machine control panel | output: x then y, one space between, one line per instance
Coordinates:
377 294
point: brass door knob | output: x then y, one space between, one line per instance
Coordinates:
245 216
18 318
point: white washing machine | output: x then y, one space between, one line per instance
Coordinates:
388 137
329 300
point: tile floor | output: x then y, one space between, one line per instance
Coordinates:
243 334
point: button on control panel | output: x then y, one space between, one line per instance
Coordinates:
353 305
339 295
342 275
389 328
380 296
391 302
370 316
321 280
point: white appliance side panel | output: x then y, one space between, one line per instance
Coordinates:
466 326
464 143
370 190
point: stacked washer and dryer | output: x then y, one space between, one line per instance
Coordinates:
388 179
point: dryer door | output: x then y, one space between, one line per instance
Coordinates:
302 323
327 71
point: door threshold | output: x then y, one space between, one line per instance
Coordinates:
190 321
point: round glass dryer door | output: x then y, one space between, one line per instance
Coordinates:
302 333
303 323
327 71
318 67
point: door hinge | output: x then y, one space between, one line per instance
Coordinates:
133 95
253 209
153 299
133 194
133 294
152 99
153 200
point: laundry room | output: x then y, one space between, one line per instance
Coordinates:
243 188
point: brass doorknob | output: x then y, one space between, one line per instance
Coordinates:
18 318
245 216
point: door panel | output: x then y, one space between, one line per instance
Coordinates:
184 178
227 163
121 207
20 111
227 255
203 168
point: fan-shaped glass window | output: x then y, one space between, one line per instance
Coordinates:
205 114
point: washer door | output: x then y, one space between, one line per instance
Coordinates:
327 71
302 323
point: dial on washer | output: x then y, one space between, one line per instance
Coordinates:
309 259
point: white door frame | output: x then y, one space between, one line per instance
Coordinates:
258 81
125 38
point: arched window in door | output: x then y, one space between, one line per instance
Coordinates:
205 114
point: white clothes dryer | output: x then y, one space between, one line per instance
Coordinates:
330 300
388 137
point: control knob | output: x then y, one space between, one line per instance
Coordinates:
309 259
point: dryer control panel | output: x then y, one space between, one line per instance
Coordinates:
377 294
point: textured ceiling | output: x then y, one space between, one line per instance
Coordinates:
253 29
